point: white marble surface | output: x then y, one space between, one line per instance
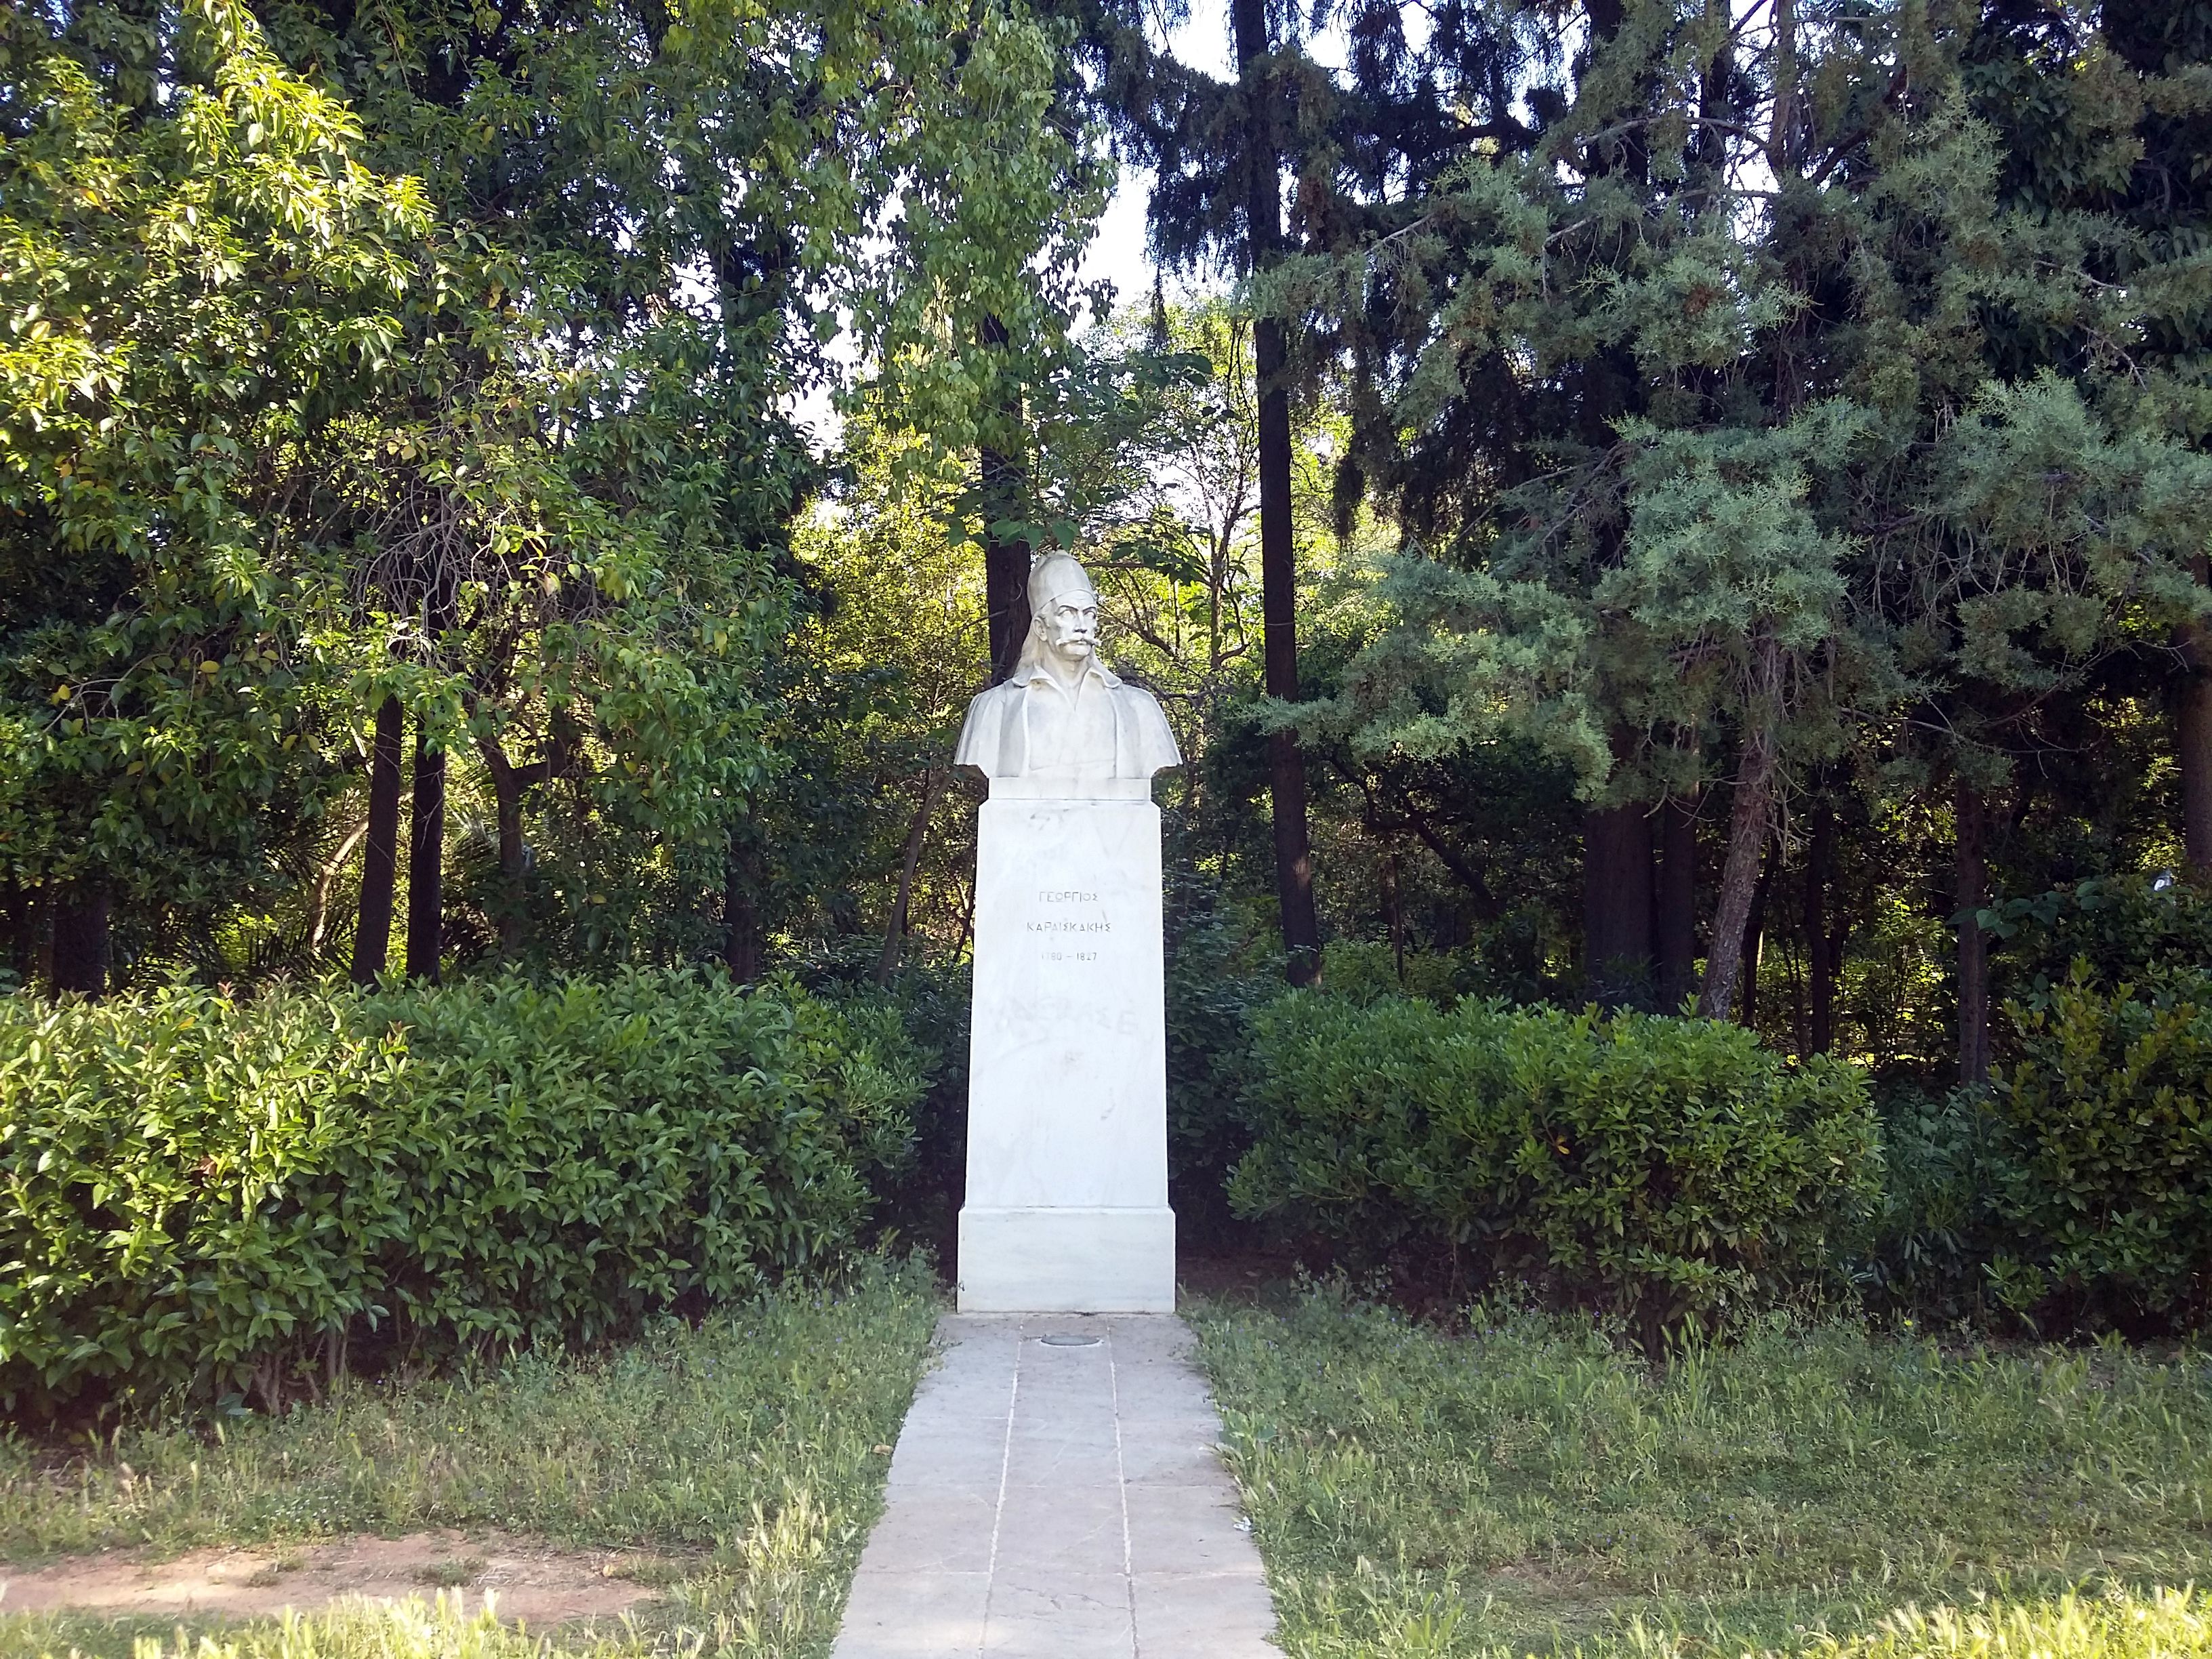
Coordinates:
1060 1502
1101 1260
1063 719
1067 1063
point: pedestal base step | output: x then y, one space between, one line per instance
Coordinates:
1067 1261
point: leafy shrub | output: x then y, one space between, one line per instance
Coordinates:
197 1191
2122 926
1365 970
1216 978
1663 1168
2103 1165
930 999
1933 1229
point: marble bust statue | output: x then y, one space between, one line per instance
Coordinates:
1062 724
1067 1202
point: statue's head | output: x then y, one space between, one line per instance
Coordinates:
1063 610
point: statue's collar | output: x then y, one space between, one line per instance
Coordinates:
1093 669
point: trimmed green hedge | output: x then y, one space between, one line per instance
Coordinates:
2101 1172
1665 1168
221 1194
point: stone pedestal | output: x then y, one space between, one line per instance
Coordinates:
1067 1172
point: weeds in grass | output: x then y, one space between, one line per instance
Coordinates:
1533 1486
744 1449
2114 1625
359 1630
451 1574
2165 1624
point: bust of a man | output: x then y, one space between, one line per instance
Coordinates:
1062 724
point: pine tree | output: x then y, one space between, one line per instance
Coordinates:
1742 428
1219 150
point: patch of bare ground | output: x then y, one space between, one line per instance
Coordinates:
1241 1277
538 1584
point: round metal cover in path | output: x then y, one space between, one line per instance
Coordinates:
1067 1339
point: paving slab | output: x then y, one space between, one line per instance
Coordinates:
1060 1499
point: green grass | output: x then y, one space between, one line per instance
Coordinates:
416 1629
743 1450
1531 1487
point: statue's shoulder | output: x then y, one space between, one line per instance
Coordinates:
1134 695
1156 739
1003 692
980 742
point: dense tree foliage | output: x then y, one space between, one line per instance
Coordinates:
1791 418
432 369
1734 476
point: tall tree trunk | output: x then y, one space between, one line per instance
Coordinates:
1754 936
1617 965
1286 767
1748 816
1969 892
741 923
895 929
508 784
19 912
1710 148
507 797
426 861
42 935
1781 142
2192 733
1006 558
82 911
1005 572
2192 722
1677 924
1819 947
1620 921
1394 911
380 864
1628 151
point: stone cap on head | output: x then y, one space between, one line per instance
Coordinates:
1054 575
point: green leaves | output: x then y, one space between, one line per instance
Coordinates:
1662 1167
2103 1144
198 1193
442 352
178 313
1741 355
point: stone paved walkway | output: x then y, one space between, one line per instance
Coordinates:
1060 1502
